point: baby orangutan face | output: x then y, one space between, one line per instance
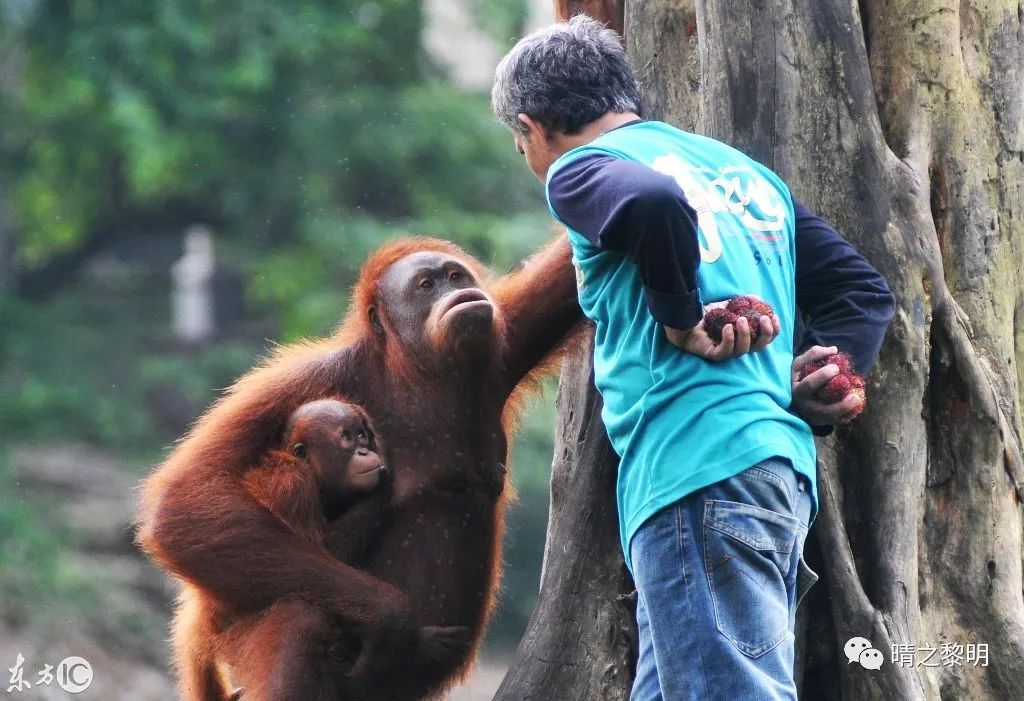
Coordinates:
337 440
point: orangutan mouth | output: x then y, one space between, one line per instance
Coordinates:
465 299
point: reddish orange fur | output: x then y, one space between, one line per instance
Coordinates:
206 638
193 642
198 520
288 487
610 12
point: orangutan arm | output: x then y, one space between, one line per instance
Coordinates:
540 308
291 491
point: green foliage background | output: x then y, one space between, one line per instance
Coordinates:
304 134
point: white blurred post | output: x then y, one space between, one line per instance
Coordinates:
192 297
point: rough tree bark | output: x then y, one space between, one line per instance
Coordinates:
581 639
901 122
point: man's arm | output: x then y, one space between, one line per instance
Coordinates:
626 207
847 304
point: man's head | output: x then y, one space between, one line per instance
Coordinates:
558 81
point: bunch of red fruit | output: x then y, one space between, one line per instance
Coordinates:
847 382
751 308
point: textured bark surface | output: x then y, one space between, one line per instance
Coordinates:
580 643
902 123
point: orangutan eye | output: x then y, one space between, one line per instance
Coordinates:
346 436
454 276
426 283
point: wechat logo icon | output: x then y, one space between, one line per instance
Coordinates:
860 650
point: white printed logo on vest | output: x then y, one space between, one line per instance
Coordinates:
736 190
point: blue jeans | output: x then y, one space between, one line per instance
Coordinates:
719 575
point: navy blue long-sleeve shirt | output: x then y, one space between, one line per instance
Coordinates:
625 206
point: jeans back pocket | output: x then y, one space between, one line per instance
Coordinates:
747 558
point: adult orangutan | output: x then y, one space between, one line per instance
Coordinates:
436 354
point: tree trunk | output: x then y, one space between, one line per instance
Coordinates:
901 123
581 639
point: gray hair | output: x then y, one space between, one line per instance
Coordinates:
564 77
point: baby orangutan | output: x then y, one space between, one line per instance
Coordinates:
328 469
330 463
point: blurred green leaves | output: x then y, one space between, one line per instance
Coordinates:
265 118
306 133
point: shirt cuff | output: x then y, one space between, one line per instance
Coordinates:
675 311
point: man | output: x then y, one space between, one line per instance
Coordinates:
716 484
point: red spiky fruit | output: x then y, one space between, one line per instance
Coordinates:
811 368
836 389
840 360
753 309
753 318
844 363
738 305
715 321
855 411
847 382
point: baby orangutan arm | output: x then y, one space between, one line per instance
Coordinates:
289 488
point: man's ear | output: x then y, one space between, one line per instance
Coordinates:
535 130
375 320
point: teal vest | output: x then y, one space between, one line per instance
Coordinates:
680 423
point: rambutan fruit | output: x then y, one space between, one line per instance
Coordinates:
835 389
715 321
847 382
738 305
753 318
753 309
840 360
855 411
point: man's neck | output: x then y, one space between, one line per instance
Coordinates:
599 126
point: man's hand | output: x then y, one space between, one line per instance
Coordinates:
735 341
805 404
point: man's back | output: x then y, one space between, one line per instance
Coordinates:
678 422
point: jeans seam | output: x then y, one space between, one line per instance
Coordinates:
688 583
712 520
750 542
772 477
640 596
